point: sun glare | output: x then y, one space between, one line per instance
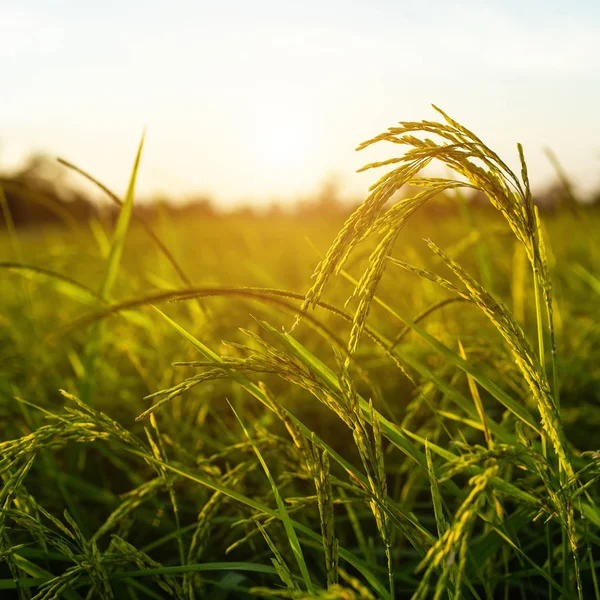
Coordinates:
282 143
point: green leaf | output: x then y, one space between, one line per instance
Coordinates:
255 391
588 277
112 269
63 284
453 358
118 241
283 513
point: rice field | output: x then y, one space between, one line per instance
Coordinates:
404 404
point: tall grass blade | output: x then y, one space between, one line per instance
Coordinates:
110 276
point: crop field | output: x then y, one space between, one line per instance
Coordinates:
400 402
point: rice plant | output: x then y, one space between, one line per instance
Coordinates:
359 453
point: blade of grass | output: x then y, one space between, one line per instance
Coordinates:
283 514
360 565
159 243
64 284
476 399
519 411
112 269
255 390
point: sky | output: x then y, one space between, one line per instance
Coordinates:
263 101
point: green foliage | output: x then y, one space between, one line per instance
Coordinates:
426 428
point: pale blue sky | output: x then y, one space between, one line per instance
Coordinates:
263 100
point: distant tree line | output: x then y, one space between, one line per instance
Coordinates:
38 193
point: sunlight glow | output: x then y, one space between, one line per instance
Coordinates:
252 101
282 141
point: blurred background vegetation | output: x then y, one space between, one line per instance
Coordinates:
44 191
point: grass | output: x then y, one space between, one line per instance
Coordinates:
421 423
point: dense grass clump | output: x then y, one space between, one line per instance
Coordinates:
422 423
